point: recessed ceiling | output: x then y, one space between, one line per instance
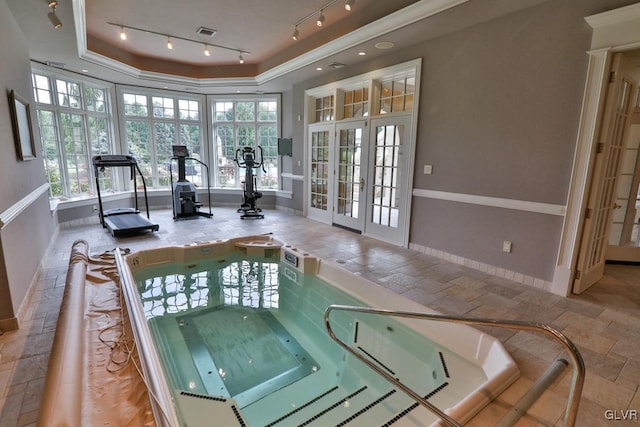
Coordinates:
261 29
88 44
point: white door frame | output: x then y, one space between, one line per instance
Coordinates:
613 31
410 148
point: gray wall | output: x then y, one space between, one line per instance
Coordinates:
499 109
23 241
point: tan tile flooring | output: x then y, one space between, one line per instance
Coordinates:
604 322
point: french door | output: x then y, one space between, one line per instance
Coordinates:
601 202
320 161
351 163
359 176
389 180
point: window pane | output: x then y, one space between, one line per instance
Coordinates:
135 105
190 136
245 111
163 107
101 144
246 136
99 136
188 110
68 94
164 137
225 146
268 140
49 134
267 111
76 154
138 137
95 99
41 89
223 111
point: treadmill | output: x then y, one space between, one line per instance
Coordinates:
123 221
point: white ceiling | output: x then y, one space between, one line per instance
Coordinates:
261 27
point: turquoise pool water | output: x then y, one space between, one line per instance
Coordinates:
252 330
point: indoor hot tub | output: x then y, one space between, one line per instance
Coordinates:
232 333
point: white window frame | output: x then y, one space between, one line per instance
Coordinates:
58 110
211 100
153 182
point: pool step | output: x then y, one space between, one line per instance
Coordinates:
361 407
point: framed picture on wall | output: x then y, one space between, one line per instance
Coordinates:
22 128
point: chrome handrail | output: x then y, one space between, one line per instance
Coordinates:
577 381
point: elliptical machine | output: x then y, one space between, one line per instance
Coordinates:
249 192
183 193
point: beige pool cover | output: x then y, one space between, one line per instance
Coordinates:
93 376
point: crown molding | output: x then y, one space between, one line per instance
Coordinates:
613 17
409 15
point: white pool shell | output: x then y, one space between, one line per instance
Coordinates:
469 343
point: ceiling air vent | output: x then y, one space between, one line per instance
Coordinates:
336 65
55 64
206 32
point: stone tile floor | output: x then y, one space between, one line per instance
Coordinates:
604 322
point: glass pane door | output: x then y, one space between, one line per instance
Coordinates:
320 159
351 155
387 197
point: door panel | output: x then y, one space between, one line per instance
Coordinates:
624 239
321 143
602 195
388 187
351 175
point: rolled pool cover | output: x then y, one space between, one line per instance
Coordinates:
62 397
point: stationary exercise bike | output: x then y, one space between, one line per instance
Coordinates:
249 192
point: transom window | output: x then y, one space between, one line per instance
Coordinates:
397 95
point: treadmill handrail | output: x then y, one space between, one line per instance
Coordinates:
109 160
119 160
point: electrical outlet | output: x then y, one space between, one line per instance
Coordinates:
428 169
507 246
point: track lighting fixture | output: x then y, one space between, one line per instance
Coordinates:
318 14
55 21
205 46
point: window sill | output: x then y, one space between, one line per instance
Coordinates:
57 204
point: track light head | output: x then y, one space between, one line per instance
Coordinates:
320 20
55 21
169 43
240 58
123 34
296 34
206 51
349 5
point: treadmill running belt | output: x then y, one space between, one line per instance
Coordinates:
128 223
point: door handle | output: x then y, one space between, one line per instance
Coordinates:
616 206
361 184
